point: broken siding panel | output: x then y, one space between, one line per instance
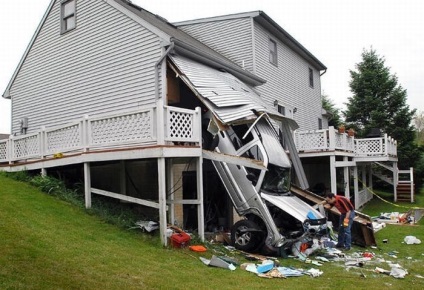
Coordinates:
231 38
226 96
106 64
289 81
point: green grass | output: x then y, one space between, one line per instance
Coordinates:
48 243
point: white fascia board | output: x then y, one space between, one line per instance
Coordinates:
218 18
140 21
6 93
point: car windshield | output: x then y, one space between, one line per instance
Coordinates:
276 180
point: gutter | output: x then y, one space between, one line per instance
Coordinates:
157 64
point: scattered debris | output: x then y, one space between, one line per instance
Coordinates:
398 272
218 262
147 226
314 272
178 237
290 272
410 240
197 248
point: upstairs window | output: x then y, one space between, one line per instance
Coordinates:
319 124
281 110
273 52
68 15
311 77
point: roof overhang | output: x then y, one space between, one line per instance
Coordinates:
230 100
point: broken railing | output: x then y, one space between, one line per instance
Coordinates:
146 126
331 140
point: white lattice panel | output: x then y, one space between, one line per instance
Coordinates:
180 126
350 144
26 147
136 127
364 196
64 138
340 140
369 147
311 140
3 150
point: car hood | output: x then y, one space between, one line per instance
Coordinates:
293 206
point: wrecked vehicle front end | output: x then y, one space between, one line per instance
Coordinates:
272 217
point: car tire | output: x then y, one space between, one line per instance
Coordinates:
246 235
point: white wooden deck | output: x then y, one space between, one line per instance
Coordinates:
155 131
331 142
349 152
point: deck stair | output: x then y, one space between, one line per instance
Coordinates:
405 187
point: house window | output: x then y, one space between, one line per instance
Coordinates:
311 78
68 15
319 123
273 52
281 110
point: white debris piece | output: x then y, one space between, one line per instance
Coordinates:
410 240
148 226
314 272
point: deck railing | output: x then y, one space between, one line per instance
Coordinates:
137 128
331 140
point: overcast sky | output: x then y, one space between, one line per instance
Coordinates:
334 31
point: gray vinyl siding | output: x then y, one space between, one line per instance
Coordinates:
106 64
231 38
289 81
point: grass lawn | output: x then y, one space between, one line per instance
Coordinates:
46 243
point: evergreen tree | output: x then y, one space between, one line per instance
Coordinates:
330 107
379 102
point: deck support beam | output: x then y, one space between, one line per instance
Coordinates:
87 184
333 174
162 199
200 210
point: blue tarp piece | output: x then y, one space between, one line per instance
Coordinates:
311 216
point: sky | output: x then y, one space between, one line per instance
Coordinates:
334 31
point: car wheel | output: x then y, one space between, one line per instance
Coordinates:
246 235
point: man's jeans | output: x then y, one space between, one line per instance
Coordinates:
345 235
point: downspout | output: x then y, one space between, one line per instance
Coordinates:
158 63
323 73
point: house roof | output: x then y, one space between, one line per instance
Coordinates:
184 43
263 19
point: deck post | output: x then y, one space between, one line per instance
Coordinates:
411 179
355 186
333 175
395 180
200 210
346 178
364 176
169 185
162 199
87 184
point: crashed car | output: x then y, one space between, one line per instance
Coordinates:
272 217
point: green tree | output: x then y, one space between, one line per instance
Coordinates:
419 126
379 102
334 112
